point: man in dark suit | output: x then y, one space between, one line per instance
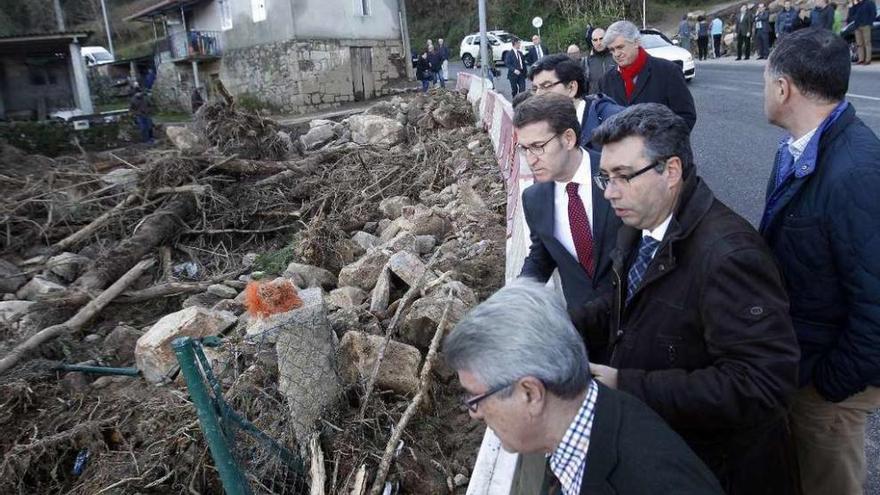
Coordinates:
537 51
572 227
744 22
641 78
516 69
524 369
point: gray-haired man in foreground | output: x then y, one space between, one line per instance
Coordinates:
524 369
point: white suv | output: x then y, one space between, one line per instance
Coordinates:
499 41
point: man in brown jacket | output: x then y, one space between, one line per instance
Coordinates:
697 319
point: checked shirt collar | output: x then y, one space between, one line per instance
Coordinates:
567 461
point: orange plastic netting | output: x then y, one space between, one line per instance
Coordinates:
272 297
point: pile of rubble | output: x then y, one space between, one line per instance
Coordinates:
388 224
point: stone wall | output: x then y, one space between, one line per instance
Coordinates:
299 76
54 137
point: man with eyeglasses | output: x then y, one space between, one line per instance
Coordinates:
524 371
600 61
697 320
560 74
572 227
641 78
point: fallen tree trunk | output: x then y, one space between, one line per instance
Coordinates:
78 320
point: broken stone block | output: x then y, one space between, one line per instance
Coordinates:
425 243
376 130
459 290
230 305
381 292
473 145
11 278
307 374
382 225
153 352
469 197
8 297
422 319
185 139
407 266
68 266
119 345
364 272
37 287
348 251
393 207
317 137
398 372
12 311
424 221
312 276
403 241
222 291
346 297
91 338
204 300
365 240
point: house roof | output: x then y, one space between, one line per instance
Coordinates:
160 8
39 43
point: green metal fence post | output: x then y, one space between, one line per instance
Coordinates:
230 474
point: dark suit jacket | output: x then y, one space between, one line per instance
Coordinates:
546 253
532 53
633 452
744 23
510 61
660 81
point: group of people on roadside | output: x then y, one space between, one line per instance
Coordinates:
432 65
690 353
759 24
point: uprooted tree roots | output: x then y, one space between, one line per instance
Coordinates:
246 200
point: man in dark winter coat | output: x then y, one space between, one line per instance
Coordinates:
600 60
641 78
785 20
822 15
821 221
524 369
697 320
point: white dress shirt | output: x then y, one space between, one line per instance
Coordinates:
580 107
658 233
561 225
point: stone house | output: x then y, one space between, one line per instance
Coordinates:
291 56
43 73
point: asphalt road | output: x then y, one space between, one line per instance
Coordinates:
734 148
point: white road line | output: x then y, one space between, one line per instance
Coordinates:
872 98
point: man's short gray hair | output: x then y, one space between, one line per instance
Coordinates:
522 330
626 29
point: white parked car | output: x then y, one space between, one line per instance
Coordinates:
658 45
96 55
499 42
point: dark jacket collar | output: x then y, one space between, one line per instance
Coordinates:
602 453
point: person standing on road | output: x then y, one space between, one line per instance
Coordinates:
838 18
423 71
785 20
574 53
536 52
600 61
820 221
702 38
822 15
142 109
436 61
862 14
641 78
762 31
684 33
697 321
717 33
516 69
443 51
524 370
743 33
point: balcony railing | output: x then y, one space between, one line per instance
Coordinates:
195 45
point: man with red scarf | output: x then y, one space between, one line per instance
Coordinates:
641 78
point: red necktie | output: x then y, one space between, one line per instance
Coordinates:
580 228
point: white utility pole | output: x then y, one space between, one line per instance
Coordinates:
484 41
644 14
59 15
107 28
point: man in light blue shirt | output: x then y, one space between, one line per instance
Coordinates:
717 31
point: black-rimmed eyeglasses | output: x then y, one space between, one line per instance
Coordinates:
603 180
473 402
536 150
545 86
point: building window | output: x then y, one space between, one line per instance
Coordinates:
258 9
362 7
226 15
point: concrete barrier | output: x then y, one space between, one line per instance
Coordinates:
493 472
